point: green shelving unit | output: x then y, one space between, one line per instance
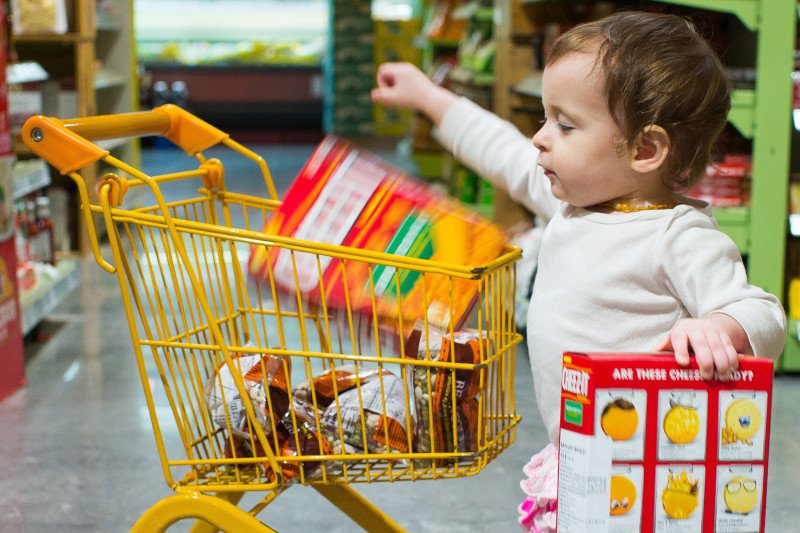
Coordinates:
764 115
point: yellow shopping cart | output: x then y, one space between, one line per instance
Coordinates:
251 387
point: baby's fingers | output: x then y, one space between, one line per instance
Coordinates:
678 340
726 359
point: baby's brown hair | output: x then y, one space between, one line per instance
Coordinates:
658 70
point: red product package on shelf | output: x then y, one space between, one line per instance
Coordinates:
662 449
347 196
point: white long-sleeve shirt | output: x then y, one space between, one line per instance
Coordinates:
613 282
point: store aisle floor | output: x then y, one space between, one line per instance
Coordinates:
77 452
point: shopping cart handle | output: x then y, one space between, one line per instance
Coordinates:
66 144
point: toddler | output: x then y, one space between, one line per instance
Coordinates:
633 104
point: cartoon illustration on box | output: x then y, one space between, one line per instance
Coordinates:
683 416
679 498
625 507
739 494
621 416
741 432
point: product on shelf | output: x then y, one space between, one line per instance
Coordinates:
38 16
726 184
693 459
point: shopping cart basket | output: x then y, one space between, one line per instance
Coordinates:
251 387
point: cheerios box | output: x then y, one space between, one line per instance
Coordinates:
647 445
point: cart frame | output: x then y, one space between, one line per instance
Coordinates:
190 309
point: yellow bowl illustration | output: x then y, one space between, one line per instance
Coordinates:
743 419
619 419
681 424
680 496
623 495
741 494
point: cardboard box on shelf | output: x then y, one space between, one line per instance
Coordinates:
398 29
662 449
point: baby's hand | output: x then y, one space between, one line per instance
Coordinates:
401 85
404 85
710 338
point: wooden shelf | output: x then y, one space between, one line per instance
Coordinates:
70 37
103 37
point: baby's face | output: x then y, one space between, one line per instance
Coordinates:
580 144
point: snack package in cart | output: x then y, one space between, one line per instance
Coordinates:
347 196
661 449
288 425
361 409
437 389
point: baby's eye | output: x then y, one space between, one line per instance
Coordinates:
564 128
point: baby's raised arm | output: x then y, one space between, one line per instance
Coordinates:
404 85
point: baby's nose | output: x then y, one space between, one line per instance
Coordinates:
540 141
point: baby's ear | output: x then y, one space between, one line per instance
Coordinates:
650 149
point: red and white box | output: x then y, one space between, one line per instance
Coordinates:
647 445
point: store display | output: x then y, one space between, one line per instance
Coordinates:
12 375
701 458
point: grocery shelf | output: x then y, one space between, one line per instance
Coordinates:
735 222
29 176
49 291
742 114
69 37
745 10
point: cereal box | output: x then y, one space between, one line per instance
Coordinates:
347 196
647 445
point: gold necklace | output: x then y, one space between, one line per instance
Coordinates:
625 207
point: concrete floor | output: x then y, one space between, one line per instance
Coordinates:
77 452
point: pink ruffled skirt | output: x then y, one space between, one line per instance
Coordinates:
538 510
